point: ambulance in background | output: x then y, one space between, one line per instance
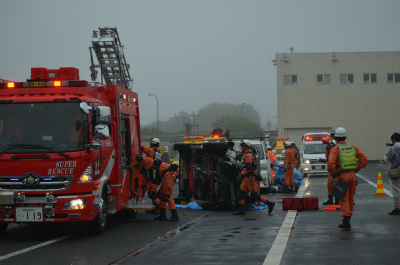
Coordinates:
312 152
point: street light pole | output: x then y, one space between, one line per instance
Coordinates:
241 119
157 112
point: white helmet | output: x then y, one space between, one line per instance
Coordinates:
155 141
269 147
334 141
245 143
288 144
340 132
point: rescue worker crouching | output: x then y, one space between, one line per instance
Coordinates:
289 166
158 172
342 163
152 152
249 182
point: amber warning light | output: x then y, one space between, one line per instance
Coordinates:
10 84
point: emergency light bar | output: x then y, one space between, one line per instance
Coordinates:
316 137
43 84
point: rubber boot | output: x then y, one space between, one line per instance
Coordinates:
330 200
291 189
345 223
155 210
162 216
270 206
240 211
174 217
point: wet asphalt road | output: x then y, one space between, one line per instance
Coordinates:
205 237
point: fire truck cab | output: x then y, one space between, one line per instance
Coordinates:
65 148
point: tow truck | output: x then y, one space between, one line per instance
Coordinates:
66 143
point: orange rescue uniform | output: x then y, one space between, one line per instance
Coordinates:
329 183
295 158
167 184
249 183
346 202
272 157
289 158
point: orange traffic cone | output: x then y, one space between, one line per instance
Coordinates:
379 186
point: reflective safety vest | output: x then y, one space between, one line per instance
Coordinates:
348 159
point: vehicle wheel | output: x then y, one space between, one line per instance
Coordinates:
100 222
3 228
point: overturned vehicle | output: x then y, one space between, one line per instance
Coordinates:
208 170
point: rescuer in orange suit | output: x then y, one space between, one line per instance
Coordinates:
288 177
152 152
330 183
296 155
165 177
249 182
342 163
272 158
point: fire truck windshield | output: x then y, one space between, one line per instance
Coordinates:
50 127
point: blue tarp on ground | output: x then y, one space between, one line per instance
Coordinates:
192 205
195 206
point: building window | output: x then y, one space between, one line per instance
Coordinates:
346 79
393 78
290 80
369 78
323 79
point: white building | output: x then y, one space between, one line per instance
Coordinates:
359 91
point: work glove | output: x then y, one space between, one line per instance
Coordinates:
139 158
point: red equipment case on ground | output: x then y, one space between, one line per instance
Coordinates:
309 203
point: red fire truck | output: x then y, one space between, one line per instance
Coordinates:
65 147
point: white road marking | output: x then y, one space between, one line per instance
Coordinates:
32 248
375 185
275 254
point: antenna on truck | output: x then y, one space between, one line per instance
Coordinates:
110 55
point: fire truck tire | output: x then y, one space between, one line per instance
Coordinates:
3 228
100 222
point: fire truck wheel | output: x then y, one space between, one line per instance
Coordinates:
3 228
100 222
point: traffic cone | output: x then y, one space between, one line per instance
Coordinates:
379 186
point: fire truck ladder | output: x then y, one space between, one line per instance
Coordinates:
110 55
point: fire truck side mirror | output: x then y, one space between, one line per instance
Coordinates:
85 107
104 115
102 132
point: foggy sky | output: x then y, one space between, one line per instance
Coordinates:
190 53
